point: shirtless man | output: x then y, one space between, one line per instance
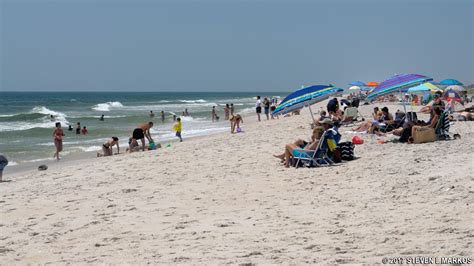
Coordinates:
140 133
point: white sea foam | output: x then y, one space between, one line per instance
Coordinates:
43 122
105 107
193 101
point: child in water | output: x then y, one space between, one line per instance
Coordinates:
177 129
84 131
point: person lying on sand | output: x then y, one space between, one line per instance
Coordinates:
107 147
140 133
235 121
300 145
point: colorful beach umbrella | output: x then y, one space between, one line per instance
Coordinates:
357 83
372 84
397 83
457 88
448 82
305 97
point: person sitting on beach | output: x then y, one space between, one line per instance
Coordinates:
235 121
58 135
332 106
300 145
140 133
177 129
84 131
107 147
3 164
434 121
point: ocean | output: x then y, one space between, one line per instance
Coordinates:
26 124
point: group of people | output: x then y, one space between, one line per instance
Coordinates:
79 130
269 105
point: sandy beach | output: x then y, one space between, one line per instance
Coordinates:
225 199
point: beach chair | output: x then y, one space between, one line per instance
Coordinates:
442 127
350 115
316 157
398 122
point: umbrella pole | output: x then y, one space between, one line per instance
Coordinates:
312 116
403 101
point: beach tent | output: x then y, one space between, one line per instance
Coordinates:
448 82
305 97
425 87
457 88
452 95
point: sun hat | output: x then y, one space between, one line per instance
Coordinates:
326 121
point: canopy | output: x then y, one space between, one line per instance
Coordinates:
354 88
397 82
357 83
372 84
424 87
448 82
305 97
457 88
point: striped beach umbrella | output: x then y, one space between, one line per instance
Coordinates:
305 97
397 83
424 87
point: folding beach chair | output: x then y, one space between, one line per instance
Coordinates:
316 157
398 122
350 115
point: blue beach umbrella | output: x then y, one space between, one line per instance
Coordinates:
448 82
305 97
357 83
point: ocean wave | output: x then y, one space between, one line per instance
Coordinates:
105 107
193 101
164 101
38 117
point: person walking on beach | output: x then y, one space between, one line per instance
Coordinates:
226 111
272 108
214 114
162 116
107 147
58 135
152 114
177 129
3 164
258 107
231 109
140 133
266 106
78 128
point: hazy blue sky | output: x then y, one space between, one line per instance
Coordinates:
230 45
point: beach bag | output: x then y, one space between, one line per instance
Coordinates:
345 151
357 140
423 135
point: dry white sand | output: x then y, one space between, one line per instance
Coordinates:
225 199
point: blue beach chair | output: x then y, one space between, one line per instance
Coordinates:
318 157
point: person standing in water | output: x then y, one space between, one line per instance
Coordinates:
78 128
162 116
101 118
186 112
177 129
140 133
214 114
58 135
152 114
231 109
226 111
258 107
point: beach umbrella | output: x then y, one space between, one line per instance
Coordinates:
397 83
357 83
457 88
305 97
372 84
452 95
354 88
448 82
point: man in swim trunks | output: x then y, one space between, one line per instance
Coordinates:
140 133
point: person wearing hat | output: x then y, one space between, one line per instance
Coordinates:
331 135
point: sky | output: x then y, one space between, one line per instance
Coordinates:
262 45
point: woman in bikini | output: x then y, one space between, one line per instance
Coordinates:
58 135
